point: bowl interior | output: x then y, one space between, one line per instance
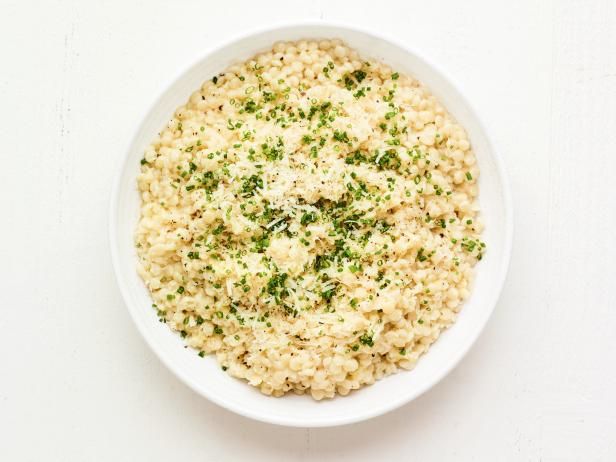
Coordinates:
203 374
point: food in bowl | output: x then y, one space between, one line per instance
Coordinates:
309 216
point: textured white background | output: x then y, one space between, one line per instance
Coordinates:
77 383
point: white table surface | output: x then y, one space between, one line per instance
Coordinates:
77 383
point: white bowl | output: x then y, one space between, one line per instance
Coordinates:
205 375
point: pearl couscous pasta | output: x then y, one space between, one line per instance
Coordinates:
309 217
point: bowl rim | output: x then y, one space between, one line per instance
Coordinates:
122 165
